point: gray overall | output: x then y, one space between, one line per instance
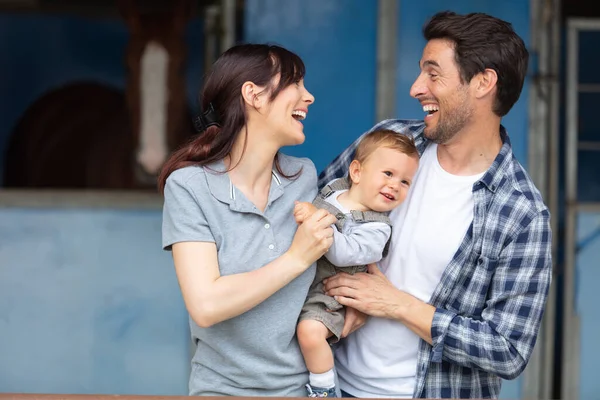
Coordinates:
318 305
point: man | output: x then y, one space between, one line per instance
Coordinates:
458 302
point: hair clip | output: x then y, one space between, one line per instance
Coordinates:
206 119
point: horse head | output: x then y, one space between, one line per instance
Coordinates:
156 93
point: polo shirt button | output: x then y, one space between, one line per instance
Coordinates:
271 247
267 226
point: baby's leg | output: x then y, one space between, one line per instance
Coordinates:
312 336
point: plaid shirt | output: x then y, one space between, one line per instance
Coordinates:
491 297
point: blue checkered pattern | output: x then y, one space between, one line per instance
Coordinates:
491 297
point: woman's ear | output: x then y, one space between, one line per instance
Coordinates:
250 94
354 172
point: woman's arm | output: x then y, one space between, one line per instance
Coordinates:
211 298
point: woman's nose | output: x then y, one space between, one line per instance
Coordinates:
308 97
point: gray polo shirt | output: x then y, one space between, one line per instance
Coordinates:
256 353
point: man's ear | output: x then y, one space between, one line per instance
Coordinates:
485 82
251 94
354 172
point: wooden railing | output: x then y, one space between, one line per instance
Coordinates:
33 396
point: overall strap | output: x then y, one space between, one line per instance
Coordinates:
370 216
319 202
334 186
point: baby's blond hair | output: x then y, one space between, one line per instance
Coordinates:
388 139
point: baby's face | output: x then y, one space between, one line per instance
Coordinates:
385 177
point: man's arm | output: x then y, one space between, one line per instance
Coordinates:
502 340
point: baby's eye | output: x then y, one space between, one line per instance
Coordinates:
405 182
388 173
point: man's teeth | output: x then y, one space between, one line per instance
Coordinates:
299 114
430 108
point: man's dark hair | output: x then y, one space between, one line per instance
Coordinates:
481 42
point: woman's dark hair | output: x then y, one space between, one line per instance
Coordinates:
481 42
257 63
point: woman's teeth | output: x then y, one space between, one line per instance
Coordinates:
299 115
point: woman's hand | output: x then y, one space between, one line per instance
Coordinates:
313 237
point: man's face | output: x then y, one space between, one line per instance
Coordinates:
439 89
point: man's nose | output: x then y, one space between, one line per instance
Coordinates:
418 88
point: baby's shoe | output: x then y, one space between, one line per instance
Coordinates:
320 392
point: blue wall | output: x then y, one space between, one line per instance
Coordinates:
337 41
587 276
587 272
89 304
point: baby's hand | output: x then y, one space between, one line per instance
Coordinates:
303 210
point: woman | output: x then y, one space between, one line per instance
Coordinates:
243 265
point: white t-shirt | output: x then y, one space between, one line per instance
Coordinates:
380 359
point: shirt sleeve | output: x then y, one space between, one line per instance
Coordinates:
183 218
363 244
502 340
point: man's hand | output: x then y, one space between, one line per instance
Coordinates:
353 320
373 294
303 210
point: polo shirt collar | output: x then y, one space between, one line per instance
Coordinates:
222 188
